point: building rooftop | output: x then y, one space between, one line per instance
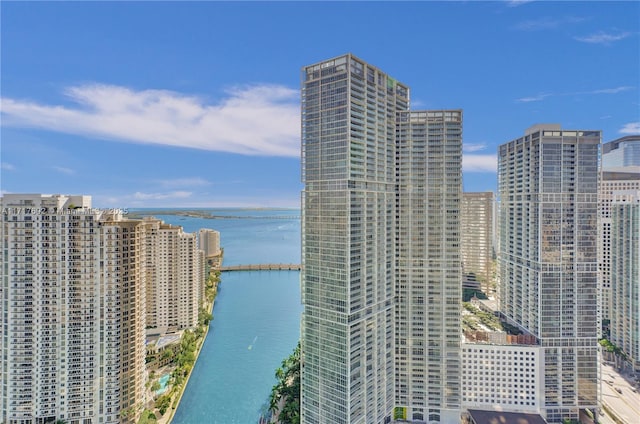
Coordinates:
540 127
498 417
614 144
622 174
167 340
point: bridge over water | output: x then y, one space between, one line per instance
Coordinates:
262 267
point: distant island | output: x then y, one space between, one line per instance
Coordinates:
206 214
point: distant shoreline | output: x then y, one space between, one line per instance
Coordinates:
206 214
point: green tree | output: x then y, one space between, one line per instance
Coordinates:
287 388
147 417
162 403
166 354
204 317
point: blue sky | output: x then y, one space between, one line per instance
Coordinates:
153 104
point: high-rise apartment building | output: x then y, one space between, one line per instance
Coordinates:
381 275
548 190
348 139
122 296
620 171
625 274
611 182
79 286
209 242
478 235
174 292
72 310
428 272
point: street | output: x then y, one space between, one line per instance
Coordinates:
619 396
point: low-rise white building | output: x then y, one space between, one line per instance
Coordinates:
506 377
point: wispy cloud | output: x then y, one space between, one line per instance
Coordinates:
162 196
516 3
5 166
630 128
540 97
250 120
603 38
473 147
547 23
479 163
536 98
183 182
63 170
609 90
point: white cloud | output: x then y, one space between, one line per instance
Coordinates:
250 120
5 166
184 182
630 128
610 90
64 170
602 37
516 3
473 147
540 97
537 98
162 196
479 163
547 23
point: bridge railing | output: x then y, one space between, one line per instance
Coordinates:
262 267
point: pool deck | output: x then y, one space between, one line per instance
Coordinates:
163 385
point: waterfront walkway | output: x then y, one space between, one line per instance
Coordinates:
262 267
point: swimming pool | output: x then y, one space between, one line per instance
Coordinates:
163 384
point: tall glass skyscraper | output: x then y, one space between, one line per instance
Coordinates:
625 274
478 236
380 328
620 168
548 188
428 266
348 133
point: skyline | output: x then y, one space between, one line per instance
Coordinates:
158 104
381 251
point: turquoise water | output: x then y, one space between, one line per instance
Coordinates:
256 318
163 384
